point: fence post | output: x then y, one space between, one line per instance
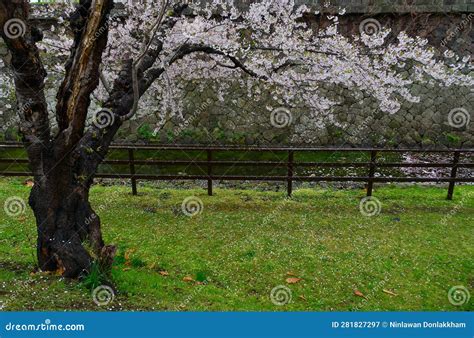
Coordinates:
370 185
454 171
290 172
209 172
131 161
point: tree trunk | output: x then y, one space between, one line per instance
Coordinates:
67 225
62 170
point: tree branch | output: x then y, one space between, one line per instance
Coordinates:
147 42
29 75
121 100
192 48
89 23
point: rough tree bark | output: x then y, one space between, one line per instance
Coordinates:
59 198
64 164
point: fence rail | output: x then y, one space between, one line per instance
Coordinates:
289 163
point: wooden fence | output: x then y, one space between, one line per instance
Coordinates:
290 164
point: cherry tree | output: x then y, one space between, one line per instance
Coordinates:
124 63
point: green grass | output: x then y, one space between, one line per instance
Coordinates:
245 242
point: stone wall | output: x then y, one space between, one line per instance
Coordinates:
357 122
242 117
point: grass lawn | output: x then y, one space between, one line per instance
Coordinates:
245 243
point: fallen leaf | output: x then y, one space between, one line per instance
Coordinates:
290 273
126 269
44 273
389 292
59 271
29 183
128 253
188 279
164 273
359 294
293 280
303 297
